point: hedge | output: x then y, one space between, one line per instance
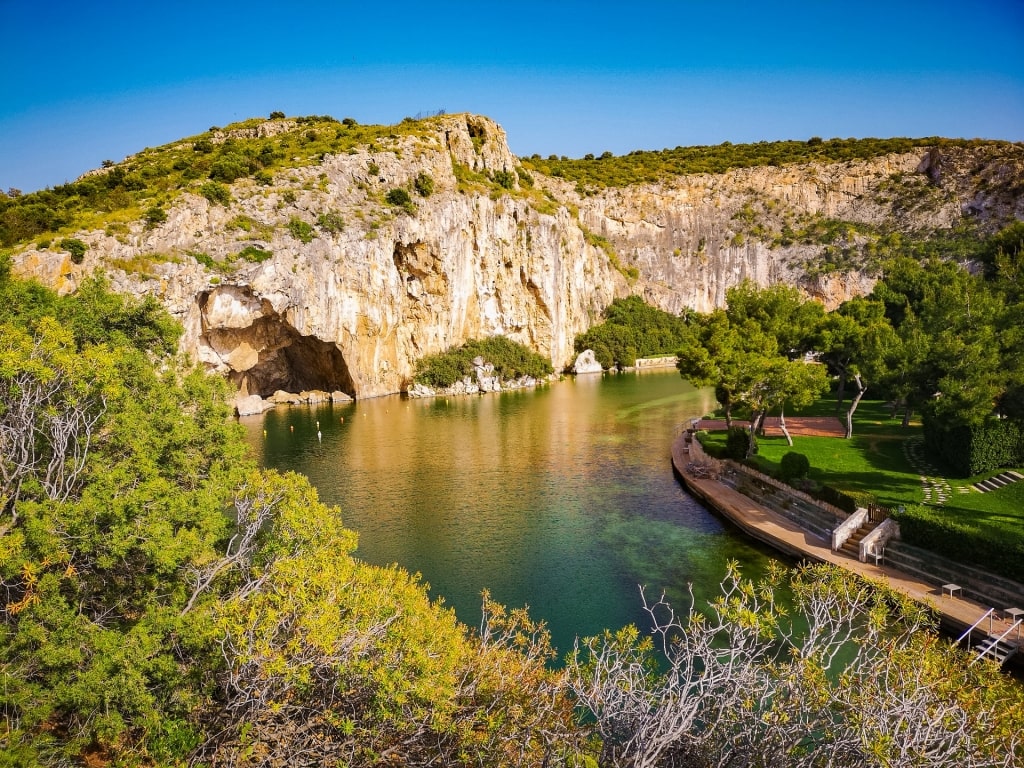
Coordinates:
997 550
968 451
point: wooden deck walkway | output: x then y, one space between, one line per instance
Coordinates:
956 613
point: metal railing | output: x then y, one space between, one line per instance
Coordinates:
988 614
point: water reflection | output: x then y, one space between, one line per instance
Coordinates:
560 498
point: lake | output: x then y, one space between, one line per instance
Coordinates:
560 498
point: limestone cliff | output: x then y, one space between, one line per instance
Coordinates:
317 281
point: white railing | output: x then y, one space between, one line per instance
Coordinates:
974 626
993 642
874 543
848 527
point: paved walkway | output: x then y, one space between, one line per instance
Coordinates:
806 426
956 613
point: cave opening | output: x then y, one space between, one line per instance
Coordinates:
300 363
263 352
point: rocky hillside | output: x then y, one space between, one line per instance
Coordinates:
337 270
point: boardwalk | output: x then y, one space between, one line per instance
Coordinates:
956 613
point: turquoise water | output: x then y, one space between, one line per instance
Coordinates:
560 498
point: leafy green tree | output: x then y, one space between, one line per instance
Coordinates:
947 358
717 357
746 352
854 342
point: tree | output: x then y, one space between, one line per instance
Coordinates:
779 312
747 352
716 356
947 358
866 683
854 341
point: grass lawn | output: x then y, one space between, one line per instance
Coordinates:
873 462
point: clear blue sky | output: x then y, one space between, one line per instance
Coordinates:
85 81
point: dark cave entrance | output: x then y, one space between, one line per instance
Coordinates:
306 363
269 354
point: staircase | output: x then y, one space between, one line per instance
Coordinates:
998 481
997 648
852 545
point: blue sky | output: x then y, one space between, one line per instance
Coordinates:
82 82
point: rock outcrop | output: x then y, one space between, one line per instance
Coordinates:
350 305
586 362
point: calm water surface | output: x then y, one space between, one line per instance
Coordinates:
560 498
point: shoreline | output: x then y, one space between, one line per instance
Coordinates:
955 614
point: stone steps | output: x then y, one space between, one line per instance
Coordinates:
996 482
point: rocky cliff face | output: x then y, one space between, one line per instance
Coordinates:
314 304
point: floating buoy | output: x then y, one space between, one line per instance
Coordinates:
319 436
342 419
264 433
291 429
318 426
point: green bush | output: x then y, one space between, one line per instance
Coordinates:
229 167
737 443
75 247
254 254
424 184
300 230
711 448
155 215
276 115
203 146
216 193
506 179
975 450
510 359
400 198
330 222
794 466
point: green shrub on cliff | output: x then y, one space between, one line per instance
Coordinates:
510 359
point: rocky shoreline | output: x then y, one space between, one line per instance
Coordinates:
252 405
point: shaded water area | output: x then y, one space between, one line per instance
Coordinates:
560 498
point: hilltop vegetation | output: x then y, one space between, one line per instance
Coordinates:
646 166
147 182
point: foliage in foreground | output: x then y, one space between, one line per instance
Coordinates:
511 360
166 603
859 679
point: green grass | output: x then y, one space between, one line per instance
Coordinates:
966 528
